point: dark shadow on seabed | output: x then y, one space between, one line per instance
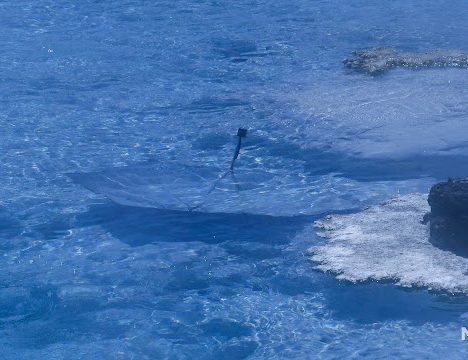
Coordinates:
137 226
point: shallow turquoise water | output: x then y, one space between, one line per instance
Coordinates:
118 88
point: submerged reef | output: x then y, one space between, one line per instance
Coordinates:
449 215
375 61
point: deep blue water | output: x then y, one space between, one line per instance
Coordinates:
126 271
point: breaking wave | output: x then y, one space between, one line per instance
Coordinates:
388 242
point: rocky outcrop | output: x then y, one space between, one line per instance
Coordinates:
449 215
375 61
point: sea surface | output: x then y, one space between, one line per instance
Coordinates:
123 234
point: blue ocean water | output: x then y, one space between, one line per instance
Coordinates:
118 239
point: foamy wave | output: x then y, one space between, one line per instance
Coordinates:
388 242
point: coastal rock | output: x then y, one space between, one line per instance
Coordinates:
449 215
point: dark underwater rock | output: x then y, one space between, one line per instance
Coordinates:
375 61
449 215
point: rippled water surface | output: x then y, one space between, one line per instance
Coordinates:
123 236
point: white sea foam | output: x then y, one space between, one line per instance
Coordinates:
388 242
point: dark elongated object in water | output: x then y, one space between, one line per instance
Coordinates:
241 132
375 61
449 215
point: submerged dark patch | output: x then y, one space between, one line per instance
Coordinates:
375 61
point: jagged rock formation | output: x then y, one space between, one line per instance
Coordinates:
378 60
449 215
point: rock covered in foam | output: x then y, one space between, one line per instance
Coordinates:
388 242
378 60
